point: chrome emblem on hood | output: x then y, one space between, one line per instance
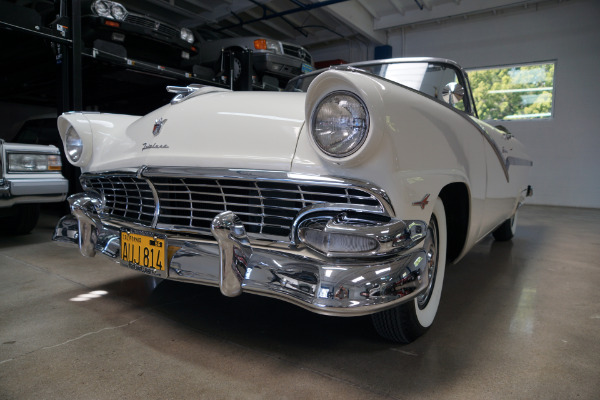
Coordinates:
158 124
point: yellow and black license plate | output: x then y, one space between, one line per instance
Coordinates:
144 252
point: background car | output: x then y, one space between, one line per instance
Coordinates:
45 132
135 33
274 62
29 176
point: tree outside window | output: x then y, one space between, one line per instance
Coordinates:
514 92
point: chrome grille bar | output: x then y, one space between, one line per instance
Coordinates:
266 206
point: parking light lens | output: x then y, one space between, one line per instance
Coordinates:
326 242
73 145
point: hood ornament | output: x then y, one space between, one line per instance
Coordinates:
158 124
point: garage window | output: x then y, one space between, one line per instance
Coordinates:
514 92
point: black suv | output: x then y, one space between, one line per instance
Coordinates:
110 26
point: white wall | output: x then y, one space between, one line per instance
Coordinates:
565 149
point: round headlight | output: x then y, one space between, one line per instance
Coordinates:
118 11
187 35
73 145
340 124
101 8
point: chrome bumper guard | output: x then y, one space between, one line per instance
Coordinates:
330 286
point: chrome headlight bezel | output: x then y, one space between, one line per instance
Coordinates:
344 138
73 145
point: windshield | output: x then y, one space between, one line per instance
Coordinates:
429 78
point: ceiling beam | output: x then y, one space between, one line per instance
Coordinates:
356 16
290 33
220 12
445 11
367 6
398 6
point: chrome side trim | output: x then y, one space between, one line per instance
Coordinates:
518 161
493 144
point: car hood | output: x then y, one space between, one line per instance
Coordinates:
218 129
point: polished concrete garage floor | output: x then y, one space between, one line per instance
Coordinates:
518 320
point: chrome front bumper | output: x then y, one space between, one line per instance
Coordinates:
228 259
25 190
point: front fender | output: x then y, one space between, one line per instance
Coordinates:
416 145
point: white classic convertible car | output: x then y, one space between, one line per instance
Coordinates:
346 195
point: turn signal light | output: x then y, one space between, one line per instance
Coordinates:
260 44
114 24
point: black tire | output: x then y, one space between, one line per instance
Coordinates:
507 230
407 322
25 218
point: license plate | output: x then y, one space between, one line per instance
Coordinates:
144 252
307 68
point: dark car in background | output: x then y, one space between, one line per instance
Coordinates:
135 34
274 62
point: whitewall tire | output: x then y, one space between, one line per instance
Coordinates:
408 321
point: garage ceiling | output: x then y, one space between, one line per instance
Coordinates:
314 23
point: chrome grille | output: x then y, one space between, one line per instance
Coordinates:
150 23
125 196
297 51
264 206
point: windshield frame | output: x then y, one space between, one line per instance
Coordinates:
356 67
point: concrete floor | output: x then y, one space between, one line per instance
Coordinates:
517 320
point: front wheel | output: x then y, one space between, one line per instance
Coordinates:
408 321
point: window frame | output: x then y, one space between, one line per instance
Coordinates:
540 63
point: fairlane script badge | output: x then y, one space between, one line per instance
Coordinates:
158 124
146 146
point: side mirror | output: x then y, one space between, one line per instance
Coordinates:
508 134
453 93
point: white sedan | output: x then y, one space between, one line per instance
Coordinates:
346 195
